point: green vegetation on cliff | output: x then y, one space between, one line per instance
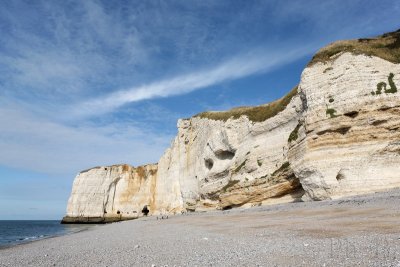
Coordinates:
255 114
295 133
331 112
386 46
382 85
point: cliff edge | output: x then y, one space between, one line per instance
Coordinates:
337 133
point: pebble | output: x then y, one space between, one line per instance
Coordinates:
295 234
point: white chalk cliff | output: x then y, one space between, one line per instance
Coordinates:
112 193
336 134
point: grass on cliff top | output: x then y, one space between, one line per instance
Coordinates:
255 114
386 46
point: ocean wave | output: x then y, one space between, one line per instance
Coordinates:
30 237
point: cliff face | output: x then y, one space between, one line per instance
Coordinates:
113 193
349 136
220 164
337 134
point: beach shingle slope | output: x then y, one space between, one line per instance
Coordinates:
354 231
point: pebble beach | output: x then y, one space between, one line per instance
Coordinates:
354 231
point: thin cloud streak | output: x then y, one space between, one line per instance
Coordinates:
236 68
34 143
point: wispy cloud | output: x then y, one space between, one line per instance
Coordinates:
65 64
68 60
34 143
65 51
236 68
70 51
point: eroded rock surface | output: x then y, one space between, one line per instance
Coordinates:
336 134
349 133
112 193
208 157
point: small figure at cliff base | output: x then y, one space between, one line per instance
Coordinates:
145 210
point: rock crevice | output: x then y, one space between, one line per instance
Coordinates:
329 137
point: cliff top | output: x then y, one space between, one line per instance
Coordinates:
385 46
124 166
255 114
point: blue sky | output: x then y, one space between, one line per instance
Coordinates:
88 83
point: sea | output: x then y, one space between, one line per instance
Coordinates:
19 232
